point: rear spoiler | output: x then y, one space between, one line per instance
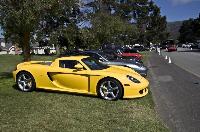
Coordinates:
33 62
36 62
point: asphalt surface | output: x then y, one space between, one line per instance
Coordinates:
187 59
176 93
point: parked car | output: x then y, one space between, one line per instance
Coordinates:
167 43
171 48
139 48
189 45
198 45
113 55
108 60
184 46
3 49
130 52
194 46
81 74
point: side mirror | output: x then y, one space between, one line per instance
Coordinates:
78 67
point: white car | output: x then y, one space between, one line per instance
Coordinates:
189 45
184 45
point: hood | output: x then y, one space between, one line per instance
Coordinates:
120 70
138 66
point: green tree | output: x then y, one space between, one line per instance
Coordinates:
186 31
190 30
144 14
156 25
21 18
112 29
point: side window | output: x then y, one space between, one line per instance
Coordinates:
68 63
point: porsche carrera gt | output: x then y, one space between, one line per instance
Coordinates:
81 74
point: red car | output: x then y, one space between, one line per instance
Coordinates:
131 53
171 48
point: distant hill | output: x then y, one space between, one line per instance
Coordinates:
173 29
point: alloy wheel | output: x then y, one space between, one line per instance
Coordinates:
109 90
25 82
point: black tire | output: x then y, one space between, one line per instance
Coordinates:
25 82
112 92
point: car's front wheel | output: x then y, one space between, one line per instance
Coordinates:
109 89
25 82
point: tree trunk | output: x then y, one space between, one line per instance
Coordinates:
26 46
57 49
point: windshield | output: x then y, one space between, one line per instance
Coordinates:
94 64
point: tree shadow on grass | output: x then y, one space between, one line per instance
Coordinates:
5 75
39 90
65 92
15 87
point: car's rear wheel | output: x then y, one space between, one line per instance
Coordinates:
25 82
109 89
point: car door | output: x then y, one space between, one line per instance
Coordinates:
69 78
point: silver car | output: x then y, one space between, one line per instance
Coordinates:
108 60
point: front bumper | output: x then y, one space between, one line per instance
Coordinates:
136 90
140 93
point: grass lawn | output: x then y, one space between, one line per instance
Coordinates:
51 111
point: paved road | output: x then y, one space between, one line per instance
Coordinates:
176 94
187 59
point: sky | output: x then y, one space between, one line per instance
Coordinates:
178 10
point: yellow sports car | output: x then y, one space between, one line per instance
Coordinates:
81 74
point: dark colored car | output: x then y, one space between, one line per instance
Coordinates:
169 45
109 60
194 46
139 48
165 44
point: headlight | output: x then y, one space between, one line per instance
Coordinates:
133 79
